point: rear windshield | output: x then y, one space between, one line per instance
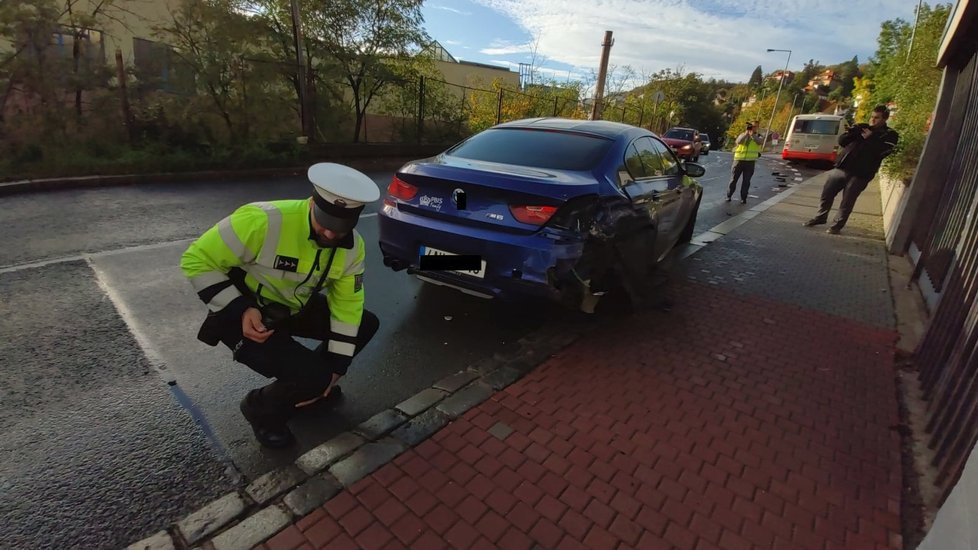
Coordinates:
534 148
680 134
822 127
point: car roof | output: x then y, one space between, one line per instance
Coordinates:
682 128
603 128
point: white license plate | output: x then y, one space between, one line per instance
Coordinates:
428 251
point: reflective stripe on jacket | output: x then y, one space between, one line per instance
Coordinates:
748 150
271 242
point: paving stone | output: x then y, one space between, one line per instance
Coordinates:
457 404
456 381
421 401
212 517
253 530
501 377
421 427
159 541
323 456
365 460
381 423
312 494
274 483
500 430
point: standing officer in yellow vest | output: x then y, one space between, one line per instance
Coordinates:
746 151
274 270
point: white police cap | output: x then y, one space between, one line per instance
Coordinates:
342 186
340 194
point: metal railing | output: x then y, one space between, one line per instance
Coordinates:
948 354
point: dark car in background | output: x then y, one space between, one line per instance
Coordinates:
706 144
556 208
684 142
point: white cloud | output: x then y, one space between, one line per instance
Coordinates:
501 47
453 10
719 38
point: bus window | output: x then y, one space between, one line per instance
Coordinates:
818 127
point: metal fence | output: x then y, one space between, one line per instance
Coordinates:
947 235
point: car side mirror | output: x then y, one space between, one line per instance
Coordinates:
694 170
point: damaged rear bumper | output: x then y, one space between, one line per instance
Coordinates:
517 265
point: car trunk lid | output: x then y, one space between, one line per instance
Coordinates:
480 193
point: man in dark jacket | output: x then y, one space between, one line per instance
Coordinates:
864 146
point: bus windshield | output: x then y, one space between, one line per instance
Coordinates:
820 127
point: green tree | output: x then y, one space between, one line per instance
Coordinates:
212 39
366 40
908 79
756 77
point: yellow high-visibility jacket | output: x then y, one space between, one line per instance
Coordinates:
272 242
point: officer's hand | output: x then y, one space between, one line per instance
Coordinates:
866 133
252 327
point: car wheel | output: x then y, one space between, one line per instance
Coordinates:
687 234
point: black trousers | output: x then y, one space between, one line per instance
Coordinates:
740 168
299 372
850 186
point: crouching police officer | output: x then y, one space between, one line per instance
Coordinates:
274 270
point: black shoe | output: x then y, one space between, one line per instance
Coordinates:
814 222
269 434
743 201
833 230
728 198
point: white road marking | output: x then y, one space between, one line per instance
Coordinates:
95 255
90 256
152 355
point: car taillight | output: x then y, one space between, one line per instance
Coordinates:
534 215
402 189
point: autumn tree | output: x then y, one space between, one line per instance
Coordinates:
907 77
365 39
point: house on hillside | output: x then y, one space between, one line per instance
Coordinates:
824 83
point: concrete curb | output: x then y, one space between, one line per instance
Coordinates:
253 514
55 184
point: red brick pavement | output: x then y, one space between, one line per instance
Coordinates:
731 422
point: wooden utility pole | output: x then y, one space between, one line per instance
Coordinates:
602 75
120 71
305 116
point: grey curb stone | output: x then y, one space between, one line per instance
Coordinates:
254 530
455 382
212 517
270 485
365 460
312 494
159 541
522 364
380 424
322 456
421 401
457 404
421 427
502 377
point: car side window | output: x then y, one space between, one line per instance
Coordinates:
670 166
650 157
632 169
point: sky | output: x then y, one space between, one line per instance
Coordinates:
722 39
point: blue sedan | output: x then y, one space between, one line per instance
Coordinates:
563 209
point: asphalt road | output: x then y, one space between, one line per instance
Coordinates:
98 449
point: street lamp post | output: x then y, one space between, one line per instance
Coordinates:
777 97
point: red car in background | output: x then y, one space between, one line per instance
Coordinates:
685 142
